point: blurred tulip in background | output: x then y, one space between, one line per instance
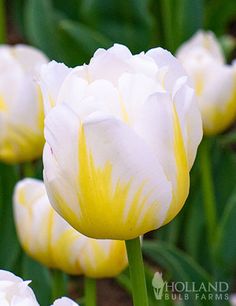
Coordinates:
49 239
214 81
21 107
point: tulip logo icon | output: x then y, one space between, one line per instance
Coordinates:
158 285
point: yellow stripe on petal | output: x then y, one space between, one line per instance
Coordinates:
199 85
97 262
180 192
3 105
40 113
66 260
108 209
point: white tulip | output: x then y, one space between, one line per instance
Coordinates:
214 81
14 291
121 137
21 107
49 239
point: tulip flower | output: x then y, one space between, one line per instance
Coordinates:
21 107
214 81
47 238
121 137
14 291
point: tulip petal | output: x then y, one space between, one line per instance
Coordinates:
124 176
31 205
158 123
64 301
37 215
118 177
29 57
87 97
109 64
171 67
204 40
190 120
51 77
21 109
15 291
97 255
134 91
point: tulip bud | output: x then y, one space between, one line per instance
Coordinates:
49 239
121 138
64 302
14 291
21 106
214 81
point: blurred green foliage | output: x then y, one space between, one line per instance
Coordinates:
70 31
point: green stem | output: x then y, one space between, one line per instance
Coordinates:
208 188
2 22
58 284
136 270
29 169
90 291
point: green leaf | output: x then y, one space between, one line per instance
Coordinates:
188 19
9 246
41 281
127 22
40 25
180 265
69 8
124 281
225 247
228 139
16 11
219 14
86 39
194 227
224 173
